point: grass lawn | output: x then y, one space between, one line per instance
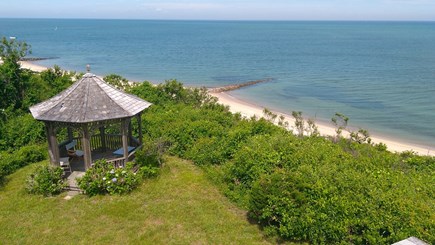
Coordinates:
179 207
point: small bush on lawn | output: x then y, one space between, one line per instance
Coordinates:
104 178
46 180
150 157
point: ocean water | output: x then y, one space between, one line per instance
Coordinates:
380 74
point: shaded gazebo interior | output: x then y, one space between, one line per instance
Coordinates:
91 120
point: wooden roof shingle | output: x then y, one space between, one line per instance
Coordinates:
89 100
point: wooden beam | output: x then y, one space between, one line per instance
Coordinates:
87 157
53 147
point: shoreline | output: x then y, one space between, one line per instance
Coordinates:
247 109
32 66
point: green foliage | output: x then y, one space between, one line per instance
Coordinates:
104 178
118 82
21 130
149 92
13 80
360 136
207 150
311 189
172 92
19 89
299 122
10 162
57 79
149 159
269 115
46 181
340 121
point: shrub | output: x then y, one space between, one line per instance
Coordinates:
22 130
104 178
46 180
150 157
207 151
10 162
321 194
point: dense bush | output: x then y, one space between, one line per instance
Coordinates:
10 162
46 180
149 159
104 178
312 190
20 131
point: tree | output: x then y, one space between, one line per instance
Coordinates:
13 80
340 121
299 122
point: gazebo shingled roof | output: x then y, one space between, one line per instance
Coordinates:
89 100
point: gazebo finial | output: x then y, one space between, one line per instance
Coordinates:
88 68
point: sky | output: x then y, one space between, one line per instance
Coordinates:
222 9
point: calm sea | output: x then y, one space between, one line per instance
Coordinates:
380 74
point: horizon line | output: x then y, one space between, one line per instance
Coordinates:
217 20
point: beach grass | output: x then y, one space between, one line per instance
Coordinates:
180 206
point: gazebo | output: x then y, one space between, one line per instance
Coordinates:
88 107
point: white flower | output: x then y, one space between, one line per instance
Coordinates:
104 178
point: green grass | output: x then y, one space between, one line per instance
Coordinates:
179 207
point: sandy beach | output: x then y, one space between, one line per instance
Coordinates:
247 109
31 66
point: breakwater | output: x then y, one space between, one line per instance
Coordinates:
231 87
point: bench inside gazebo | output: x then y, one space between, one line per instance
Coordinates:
98 121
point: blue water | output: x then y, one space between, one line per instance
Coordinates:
380 74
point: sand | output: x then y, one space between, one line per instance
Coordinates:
247 109
33 67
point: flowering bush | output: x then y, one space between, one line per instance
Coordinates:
46 180
104 178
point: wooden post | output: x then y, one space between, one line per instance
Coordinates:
139 121
87 157
124 129
53 147
103 138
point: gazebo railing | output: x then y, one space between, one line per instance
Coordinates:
118 162
112 142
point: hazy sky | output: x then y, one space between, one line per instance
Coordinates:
223 9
